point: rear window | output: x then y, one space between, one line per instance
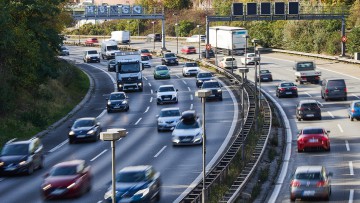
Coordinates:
313 131
230 59
191 47
308 176
92 52
211 85
310 105
287 84
336 83
204 75
357 104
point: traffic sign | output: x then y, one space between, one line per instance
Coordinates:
344 38
208 46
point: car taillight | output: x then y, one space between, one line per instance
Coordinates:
320 183
326 91
345 89
301 109
353 110
295 183
281 89
294 88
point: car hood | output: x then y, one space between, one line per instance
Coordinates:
116 101
13 158
168 119
204 79
165 93
186 132
162 72
57 181
170 58
78 130
191 68
127 190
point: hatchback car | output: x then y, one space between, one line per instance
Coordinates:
250 58
166 94
211 53
354 110
136 184
85 129
265 75
308 109
161 72
168 118
313 138
190 69
21 157
146 52
145 60
188 130
169 59
309 182
333 89
286 89
227 62
66 180
117 101
188 50
202 77
112 65
91 41
215 88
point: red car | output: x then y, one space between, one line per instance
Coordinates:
313 138
91 41
188 50
146 52
67 179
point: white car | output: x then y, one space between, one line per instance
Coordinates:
168 118
190 69
227 62
166 94
195 38
145 60
188 130
250 59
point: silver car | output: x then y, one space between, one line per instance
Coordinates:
310 182
168 118
188 130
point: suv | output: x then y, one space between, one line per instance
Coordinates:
202 77
21 156
91 56
215 88
169 59
190 69
308 109
333 89
167 94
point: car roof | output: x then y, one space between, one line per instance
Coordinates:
169 109
166 86
305 169
308 101
117 93
135 168
86 118
308 128
71 163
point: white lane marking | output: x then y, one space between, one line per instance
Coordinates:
355 96
189 89
340 128
271 91
150 84
58 146
184 82
191 97
351 168
308 94
151 99
147 109
351 196
145 78
161 150
138 121
347 146
177 76
152 91
320 104
332 116
191 106
97 156
101 115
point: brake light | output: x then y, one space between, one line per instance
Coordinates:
301 109
345 89
353 110
294 88
320 183
295 183
282 89
326 91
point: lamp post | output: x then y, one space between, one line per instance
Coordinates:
129 31
245 54
203 94
243 72
176 33
256 79
153 22
198 26
216 61
113 135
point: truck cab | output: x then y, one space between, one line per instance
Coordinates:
108 49
129 71
305 71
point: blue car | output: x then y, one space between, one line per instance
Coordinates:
354 110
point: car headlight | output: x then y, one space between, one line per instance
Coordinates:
199 80
109 103
174 95
2 163
71 133
74 184
46 187
120 85
91 132
108 194
142 193
28 160
219 90
139 84
124 102
160 121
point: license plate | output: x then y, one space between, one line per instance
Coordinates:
166 98
313 140
81 136
309 193
58 191
116 107
186 140
265 78
288 93
310 115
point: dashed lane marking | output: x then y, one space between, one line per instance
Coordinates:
161 150
347 146
138 121
332 116
58 146
151 99
191 106
97 156
351 168
147 109
340 128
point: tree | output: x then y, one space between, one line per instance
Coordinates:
354 17
177 4
353 44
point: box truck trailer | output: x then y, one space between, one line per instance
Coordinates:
227 39
122 37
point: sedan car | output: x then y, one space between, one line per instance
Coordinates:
66 180
250 58
309 182
146 52
85 129
265 75
188 130
169 59
190 69
112 65
91 41
313 138
202 77
136 184
166 94
354 110
286 89
227 62
161 72
215 88
188 50
308 109
168 118
118 101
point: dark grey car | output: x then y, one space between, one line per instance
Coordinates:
308 109
215 88
333 89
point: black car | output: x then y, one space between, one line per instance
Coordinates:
202 77
286 89
265 75
211 54
118 101
21 157
169 59
85 129
215 87
111 65
308 109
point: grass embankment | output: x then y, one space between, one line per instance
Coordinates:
56 98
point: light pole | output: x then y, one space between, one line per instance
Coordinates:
153 22
198 26
216 61
113 135
256 79
245 54
258 51
138 25
176 33
203 94
128 22
243 72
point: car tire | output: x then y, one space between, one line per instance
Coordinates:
326 99
108 110
30 170
319 118
158 196
351 118
296 95
71 141
127 109
220 98
292 199
299 119
299 151
41 165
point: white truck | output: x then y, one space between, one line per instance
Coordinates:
122 37
129 71
108 49
227 39
305 71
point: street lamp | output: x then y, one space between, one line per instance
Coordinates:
113 135
176 33
256 78
243 72
216 61
153 22
203 94
198 26
129 31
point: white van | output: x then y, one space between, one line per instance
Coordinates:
108 49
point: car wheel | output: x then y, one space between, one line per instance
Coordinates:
158 195
108 110
319 118
220 98
299 150
322 96
30 169
296 95
326 99
292 199
71 141
127 109
299 119
41 164
351 118
345 98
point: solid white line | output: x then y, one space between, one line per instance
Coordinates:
58 146
138 121
152 91
150 84
351 196
145 78
308 94
189 89
351 168
347 146
191 106
161 150
355 96
147 109
151 99
340 128
191 97
97 156
184 82
332 116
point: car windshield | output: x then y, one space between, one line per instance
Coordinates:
15 149
188 125
250 55
145 58
210 85
166 89
145 51
130 177
161 68
112 48
191 64
83 123
308 176
287 84
313 131
230 59
63 171
264 71
310 105
169 113
130 68
92 52
117 96
204 75
63 48
169 55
